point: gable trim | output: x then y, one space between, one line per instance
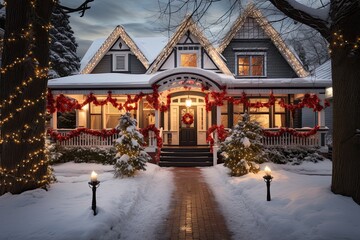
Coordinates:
188 25
275 37
119 32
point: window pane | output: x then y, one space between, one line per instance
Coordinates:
95 122
262 119
112 121
237 118
224 108
188 60
262 109
278 108
243 65
95 109
279 120
257 66
224 120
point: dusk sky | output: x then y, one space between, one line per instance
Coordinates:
139 17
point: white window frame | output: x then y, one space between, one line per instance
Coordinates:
237 54
115 55
197 52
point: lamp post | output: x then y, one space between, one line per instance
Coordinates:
268 178
94 184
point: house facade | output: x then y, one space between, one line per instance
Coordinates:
185 85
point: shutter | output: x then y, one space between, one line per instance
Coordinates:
120 62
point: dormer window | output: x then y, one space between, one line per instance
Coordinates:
251 64
188 60
120 62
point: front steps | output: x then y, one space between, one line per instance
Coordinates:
180 156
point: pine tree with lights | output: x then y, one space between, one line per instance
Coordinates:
130 155
243 150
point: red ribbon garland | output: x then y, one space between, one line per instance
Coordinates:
76 132
221 134
159 142
291 131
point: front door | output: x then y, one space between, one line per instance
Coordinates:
188 134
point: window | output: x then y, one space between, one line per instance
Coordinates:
251 65
260 115
188 60
224 114
95 116
120 62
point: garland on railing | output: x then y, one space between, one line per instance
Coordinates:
76 132
221 133
159 142
291 131
65 104
310 101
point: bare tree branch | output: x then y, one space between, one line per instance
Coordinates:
304 17
81 9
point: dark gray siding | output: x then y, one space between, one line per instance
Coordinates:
104 66
135 66
276 65
329 118
309 117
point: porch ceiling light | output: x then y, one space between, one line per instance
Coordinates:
188 102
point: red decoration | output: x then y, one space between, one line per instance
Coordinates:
76 132
291 131
187 119
310 101
221 133
159 142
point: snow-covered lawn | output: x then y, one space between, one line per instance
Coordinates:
130 208
302 205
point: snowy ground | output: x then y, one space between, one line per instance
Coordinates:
302 205
131 208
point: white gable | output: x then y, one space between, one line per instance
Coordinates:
188 38
120 45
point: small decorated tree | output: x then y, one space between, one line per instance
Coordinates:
130 155
242 150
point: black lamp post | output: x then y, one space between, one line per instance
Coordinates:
94 184
268 178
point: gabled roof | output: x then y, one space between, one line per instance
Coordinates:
252 11
119 32
189 25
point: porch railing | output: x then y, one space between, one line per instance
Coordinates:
87 140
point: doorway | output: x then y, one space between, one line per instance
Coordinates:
188 133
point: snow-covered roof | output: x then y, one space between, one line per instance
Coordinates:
151 46
94 47
323 71
252 11
118 32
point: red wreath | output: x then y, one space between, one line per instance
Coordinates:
188 118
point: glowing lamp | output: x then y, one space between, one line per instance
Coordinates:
93 184
268 178
267 171
188 102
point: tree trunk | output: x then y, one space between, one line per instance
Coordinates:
346 115
24 164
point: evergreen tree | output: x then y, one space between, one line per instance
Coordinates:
130 155
64 60
242 150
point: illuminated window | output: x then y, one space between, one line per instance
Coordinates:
251 65
188 60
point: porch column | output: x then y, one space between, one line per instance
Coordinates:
321 114
218 115
53 121
157 119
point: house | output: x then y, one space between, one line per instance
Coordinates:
185 85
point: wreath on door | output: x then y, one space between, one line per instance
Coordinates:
187 119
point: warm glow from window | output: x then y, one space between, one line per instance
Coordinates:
188 60
251 65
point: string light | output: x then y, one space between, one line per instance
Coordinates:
340 42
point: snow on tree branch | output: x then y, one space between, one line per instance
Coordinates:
316 18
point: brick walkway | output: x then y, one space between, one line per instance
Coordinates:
194 213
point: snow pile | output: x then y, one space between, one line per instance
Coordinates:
302 206
131 208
